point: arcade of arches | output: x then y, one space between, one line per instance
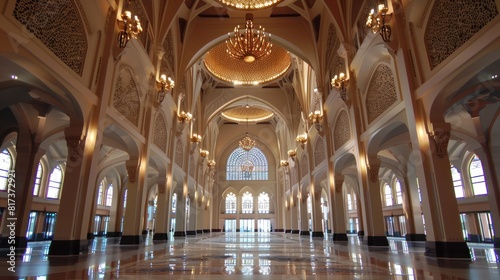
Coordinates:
409 149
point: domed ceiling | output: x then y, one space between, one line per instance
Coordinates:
247 114
239 72
249 4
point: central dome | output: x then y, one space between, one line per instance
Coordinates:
239 72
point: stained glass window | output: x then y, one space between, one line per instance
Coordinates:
388 195
230 203
457 182
243 165
477 176
247 203
109 195
55 181
263 202
38 179
5 167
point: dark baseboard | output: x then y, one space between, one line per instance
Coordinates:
441 249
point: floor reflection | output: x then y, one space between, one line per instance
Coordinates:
219 256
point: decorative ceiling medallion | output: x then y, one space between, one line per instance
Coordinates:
238 72
244 114
249 4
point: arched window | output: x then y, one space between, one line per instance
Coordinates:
457 182
38 179
125 199
349 202
477 176
55 181
5 168
388 195
109 195
100 193
247 203
263 203
174 203
243 165
230 203
399 193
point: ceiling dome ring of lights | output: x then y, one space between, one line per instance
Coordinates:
236 71
249 4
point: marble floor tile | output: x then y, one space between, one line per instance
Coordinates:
250 256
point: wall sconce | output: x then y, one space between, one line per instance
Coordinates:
316 117
284 163
340 82
211 163
292 154
377 22
204 153
130 28
302 139
165 84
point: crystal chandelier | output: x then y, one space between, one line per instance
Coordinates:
250 44
247 143
249 4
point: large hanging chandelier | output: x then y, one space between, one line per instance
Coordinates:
249 4
247 143
248 44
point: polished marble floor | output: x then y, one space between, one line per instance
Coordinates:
250 256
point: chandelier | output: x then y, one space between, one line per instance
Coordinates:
130 28
250 44
247 143
377 22
249 4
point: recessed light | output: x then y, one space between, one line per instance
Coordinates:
14 77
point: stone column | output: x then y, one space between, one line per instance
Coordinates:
412 209
294 214
70 237
316 214
191 218
180 213
373 204
443 227
339 222
20 193
303 215
162 212
132 225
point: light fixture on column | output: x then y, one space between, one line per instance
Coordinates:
284 163
340 82
211 163
377 22
203 153
130 28
165 84
292 154
302 139
248 44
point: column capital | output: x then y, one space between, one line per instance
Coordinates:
339 181
132 167
74 144
440 135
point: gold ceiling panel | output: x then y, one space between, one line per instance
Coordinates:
239 72
247 113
